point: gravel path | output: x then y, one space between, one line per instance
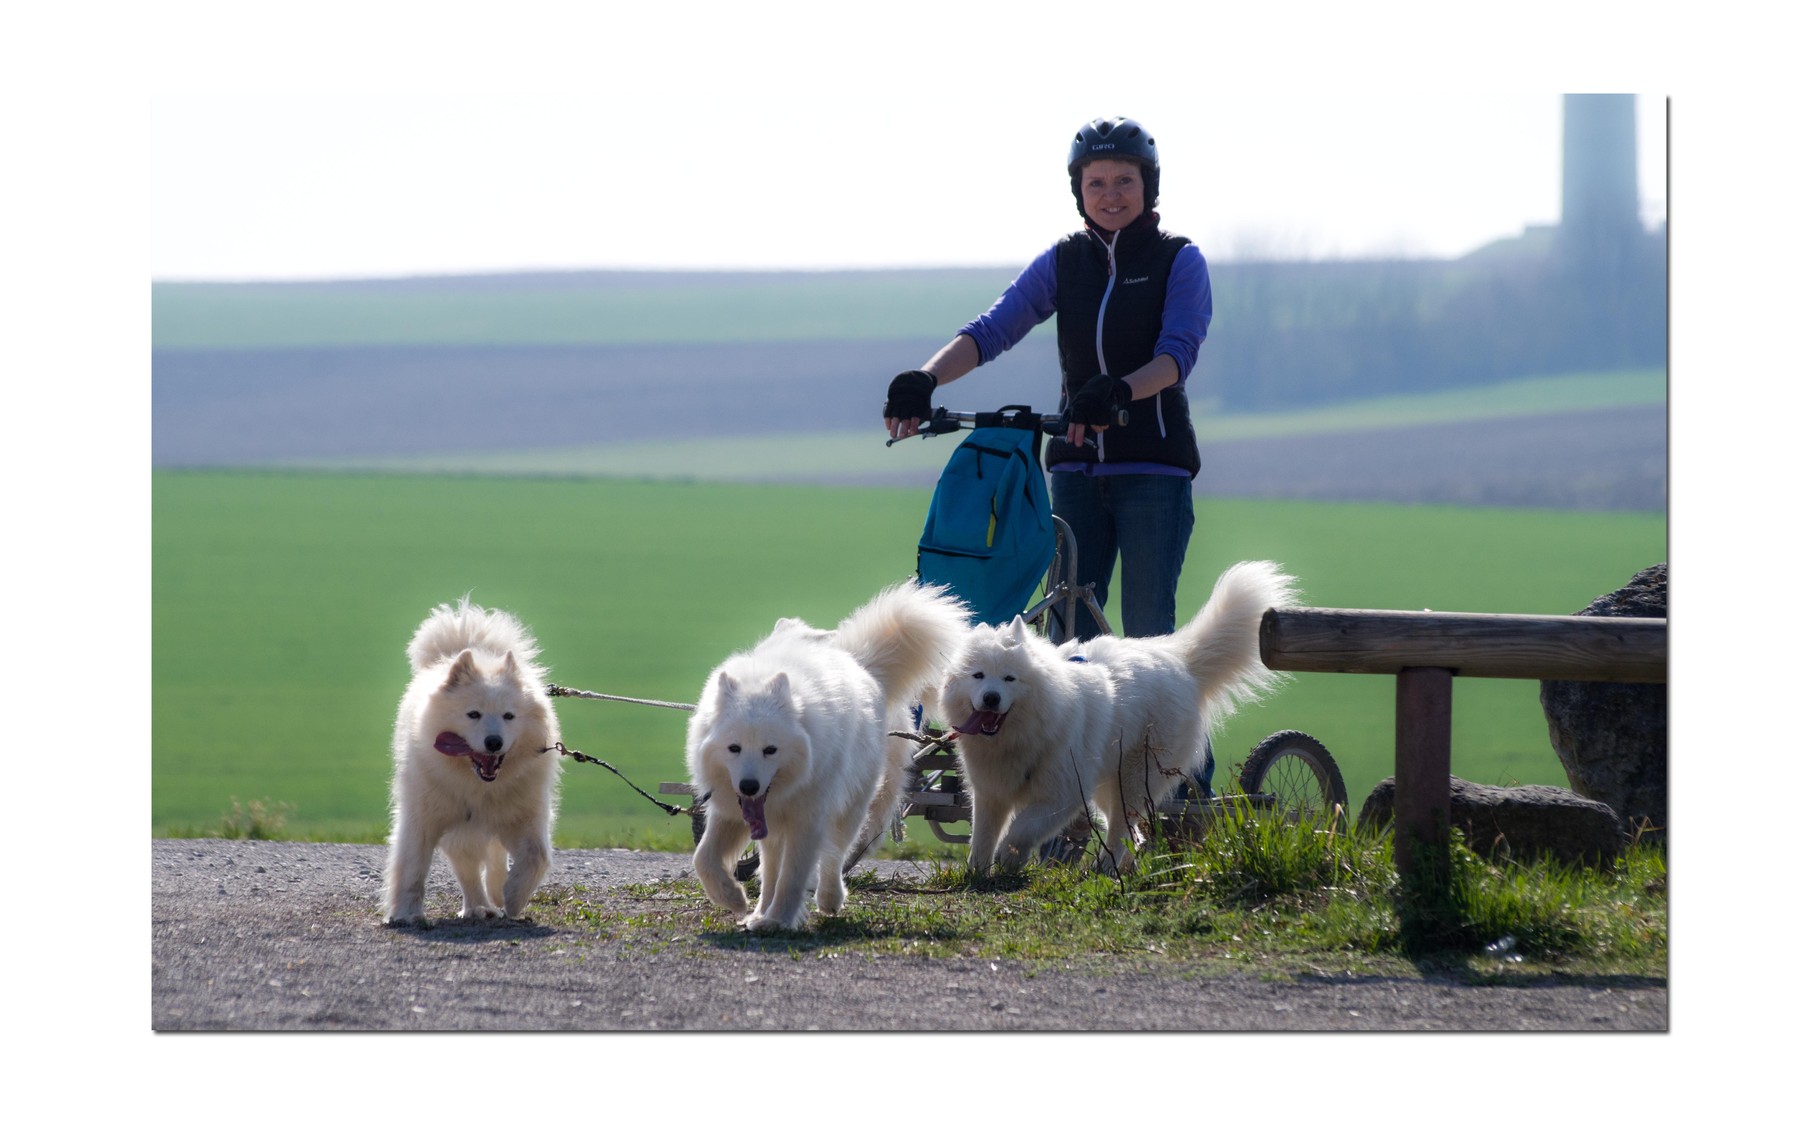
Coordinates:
286 936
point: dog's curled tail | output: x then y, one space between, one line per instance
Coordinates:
904 636
1221 645
450 628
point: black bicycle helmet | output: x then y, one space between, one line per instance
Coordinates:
1115 138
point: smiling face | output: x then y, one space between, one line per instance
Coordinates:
1111 192
480 713
988 676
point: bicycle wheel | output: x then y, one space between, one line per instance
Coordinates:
1293 774
748 862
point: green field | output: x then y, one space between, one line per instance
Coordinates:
628 308
857 456
282 603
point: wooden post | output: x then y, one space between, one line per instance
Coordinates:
1423 770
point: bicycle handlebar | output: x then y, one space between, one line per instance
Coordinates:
1006 417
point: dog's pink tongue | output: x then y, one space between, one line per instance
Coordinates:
752 808
485 764
974 724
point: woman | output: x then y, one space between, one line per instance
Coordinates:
1132 303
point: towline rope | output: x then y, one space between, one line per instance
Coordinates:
566 752
556 692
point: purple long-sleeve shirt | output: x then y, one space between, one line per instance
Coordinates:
1029 300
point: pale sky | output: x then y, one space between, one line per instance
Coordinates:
259 186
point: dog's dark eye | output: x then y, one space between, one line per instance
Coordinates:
769 750
978 675
509 716
1007 679
732 749
474 714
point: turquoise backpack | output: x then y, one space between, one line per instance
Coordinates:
990 532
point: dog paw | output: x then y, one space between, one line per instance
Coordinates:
408 921
480 912
760 923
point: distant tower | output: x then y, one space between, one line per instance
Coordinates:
1600 205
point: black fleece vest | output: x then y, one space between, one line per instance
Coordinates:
1111 299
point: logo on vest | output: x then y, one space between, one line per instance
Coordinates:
1136 280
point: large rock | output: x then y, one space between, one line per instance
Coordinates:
1522 822
1612 737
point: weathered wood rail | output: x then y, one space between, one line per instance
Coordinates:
1425 651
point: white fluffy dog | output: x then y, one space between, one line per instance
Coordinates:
1164 695
469 774
1036 740
788 747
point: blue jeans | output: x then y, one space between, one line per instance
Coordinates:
1144 519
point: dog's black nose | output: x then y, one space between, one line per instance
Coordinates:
748 787
991 700
494 743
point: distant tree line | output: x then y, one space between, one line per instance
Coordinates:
1289 334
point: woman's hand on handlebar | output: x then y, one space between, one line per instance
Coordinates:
1096 405
1076 433
908 401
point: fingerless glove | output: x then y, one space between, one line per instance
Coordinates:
1099 401
911 395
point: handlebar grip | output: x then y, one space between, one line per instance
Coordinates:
1020 417
1055 425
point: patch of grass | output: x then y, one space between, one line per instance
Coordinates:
326 832
1258 894
1543 911
1248 857
258 819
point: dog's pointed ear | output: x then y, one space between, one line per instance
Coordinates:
725 687
511 665
778 688
461 672
1018 631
